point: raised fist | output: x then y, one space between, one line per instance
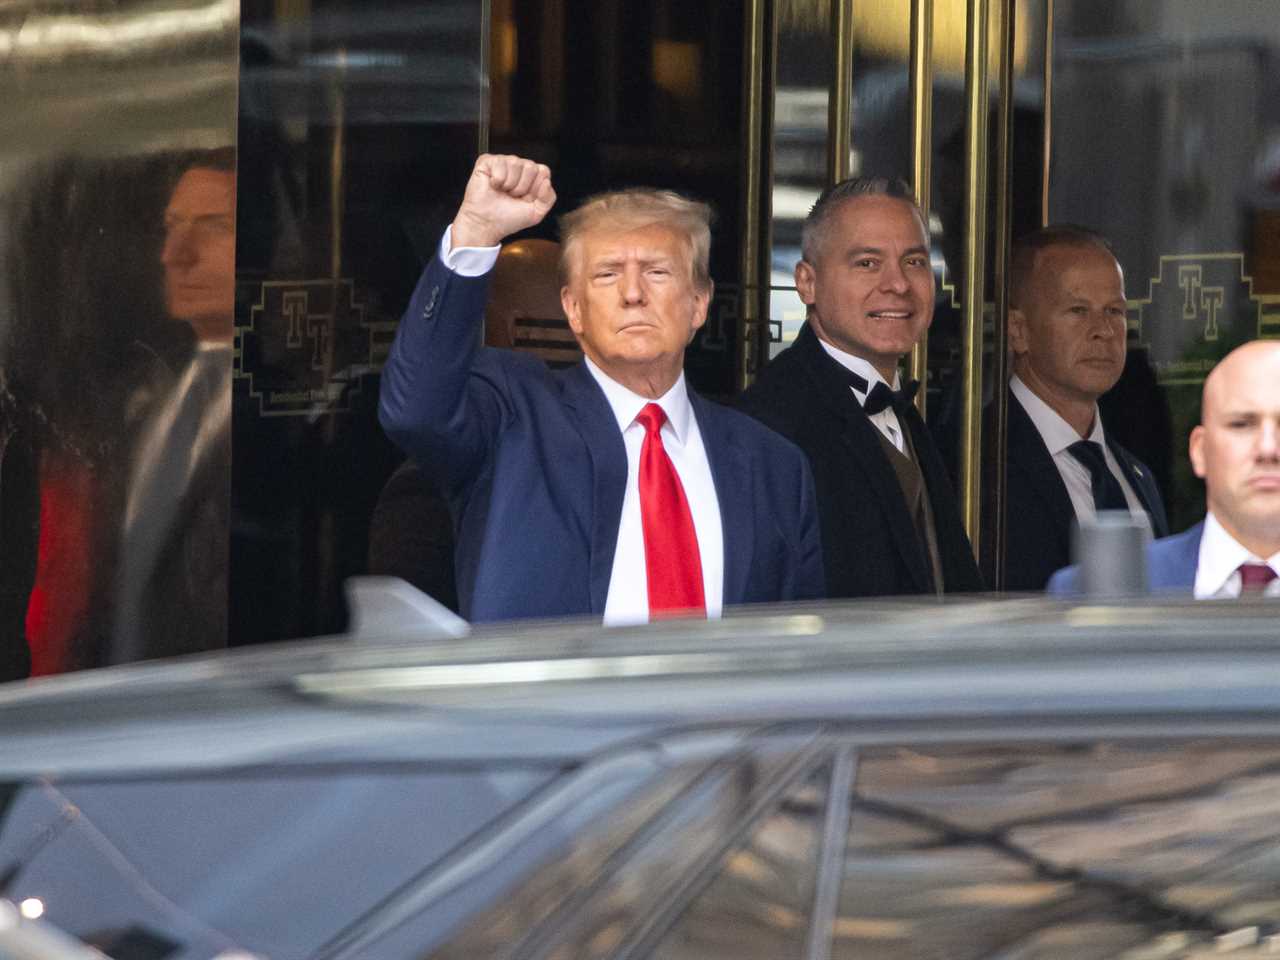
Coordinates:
504 196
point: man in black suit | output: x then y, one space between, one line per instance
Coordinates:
888 517
1067 336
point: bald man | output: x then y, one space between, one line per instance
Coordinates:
1236 451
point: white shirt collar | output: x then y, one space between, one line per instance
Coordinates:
626 405
1055 431
861 367
1220 557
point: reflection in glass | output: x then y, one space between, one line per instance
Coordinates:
760 902
881 134
1045 850
119 362
1058 851
1164 130
359 123
117 171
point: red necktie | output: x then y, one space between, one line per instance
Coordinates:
671 557
1254 577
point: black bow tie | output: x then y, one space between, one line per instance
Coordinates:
881 397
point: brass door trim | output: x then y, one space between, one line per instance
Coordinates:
486 87
995 477
757 184
921 156
975 249
1047 132
840 97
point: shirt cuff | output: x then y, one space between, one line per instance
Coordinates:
466 261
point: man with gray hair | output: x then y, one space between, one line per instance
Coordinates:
609 488
889 520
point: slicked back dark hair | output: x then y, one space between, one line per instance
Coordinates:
814 231
1027 249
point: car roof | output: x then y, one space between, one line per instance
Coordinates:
571 687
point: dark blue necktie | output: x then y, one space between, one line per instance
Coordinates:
1107 493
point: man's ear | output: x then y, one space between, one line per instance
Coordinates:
1019 336
806 281
570 305
1195 447
701 304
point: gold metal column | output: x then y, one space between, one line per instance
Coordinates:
997 447
757 178
1047 145
840 98
975 248
921 154
337 165
486 84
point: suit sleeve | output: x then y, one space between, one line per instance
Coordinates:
434 403
1064 583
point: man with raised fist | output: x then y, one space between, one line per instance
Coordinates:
609 488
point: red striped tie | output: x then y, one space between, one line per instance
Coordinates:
671 557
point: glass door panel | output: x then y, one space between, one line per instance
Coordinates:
1166 137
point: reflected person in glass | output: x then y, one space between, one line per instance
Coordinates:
130 555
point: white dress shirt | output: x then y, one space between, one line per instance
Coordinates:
467 261
886 421
1058 435
628 597
1218 567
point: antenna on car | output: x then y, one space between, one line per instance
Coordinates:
383 607
1111 552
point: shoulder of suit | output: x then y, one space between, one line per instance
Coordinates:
786 390
1176 540
745 426
780 371
514 370
1015 413
774 396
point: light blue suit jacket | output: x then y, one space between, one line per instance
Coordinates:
1171 566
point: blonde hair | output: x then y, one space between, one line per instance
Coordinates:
633 209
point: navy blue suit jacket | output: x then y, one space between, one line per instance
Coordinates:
1038 510
1171 566
535 469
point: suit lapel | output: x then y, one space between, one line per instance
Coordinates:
586 404
1027 450
1139 482
731 472
859 439
1190 556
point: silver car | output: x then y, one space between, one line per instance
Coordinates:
1013 779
